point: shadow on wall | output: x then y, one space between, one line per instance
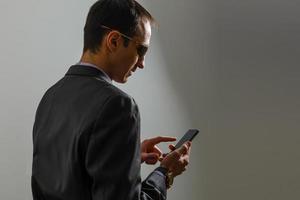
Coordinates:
235 67
185 35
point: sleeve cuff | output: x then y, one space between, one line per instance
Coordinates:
161 170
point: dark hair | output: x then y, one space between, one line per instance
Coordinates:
121 15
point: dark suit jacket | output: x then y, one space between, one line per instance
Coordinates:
86 143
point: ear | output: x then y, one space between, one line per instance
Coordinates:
113 41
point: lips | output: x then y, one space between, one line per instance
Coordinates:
134 68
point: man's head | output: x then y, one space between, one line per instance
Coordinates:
117 34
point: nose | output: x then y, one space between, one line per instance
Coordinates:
141 62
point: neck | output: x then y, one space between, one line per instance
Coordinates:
97 60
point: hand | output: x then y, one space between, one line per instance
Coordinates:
177 160
150 153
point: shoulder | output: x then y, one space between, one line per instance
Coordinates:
108 98
119 100
113 93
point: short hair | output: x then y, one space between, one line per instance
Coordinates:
121 15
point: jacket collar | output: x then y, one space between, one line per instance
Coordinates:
83 70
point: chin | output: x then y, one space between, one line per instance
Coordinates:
124 80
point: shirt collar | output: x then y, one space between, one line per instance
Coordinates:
98 68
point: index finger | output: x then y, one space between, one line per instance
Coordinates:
160 139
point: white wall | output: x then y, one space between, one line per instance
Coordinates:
39 40
235 65
229 68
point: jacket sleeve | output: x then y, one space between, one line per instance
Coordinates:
113 155
154 186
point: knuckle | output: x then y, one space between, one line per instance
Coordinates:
146 141
186 148
177 155
186 162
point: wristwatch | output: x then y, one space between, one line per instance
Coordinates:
169 179
168 174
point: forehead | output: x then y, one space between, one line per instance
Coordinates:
144 32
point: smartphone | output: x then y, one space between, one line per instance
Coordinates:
188 136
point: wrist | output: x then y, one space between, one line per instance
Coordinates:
163 170
168 174
164 166
169 179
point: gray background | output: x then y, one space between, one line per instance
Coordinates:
229 68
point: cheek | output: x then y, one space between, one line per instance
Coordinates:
127 59
131 54
130 61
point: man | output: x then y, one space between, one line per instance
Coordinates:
86 134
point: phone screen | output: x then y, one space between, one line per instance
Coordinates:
188 136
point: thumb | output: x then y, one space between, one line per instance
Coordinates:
172 147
